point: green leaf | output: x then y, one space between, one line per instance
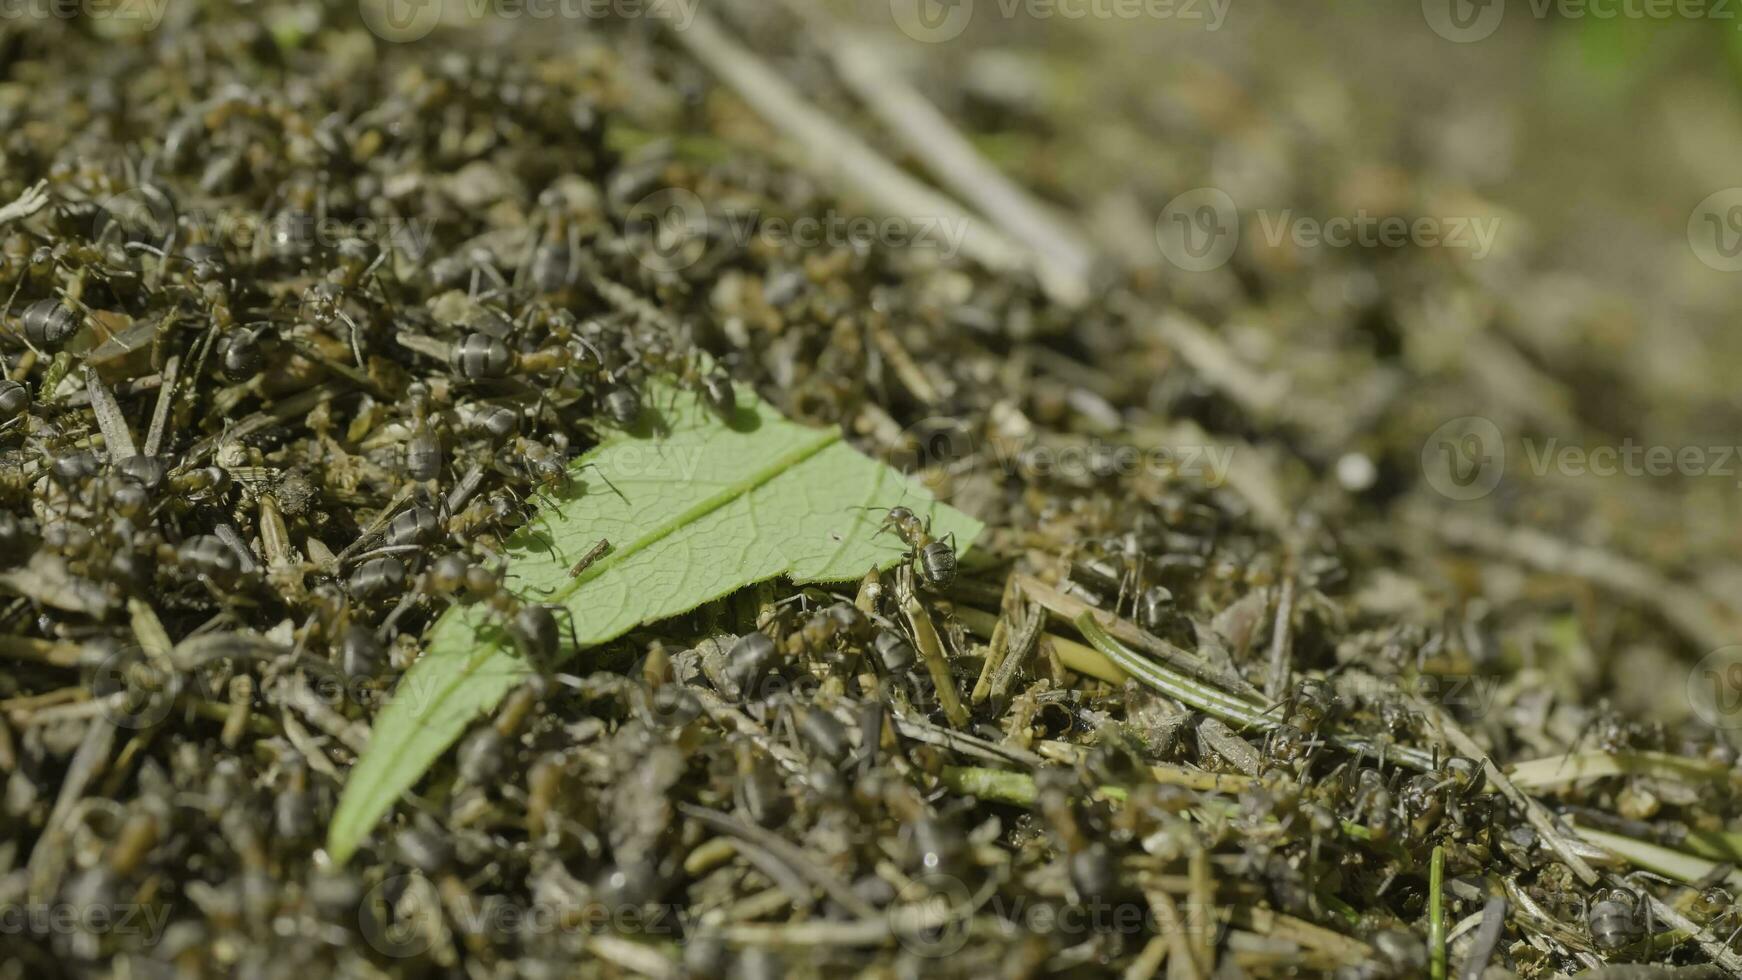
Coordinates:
696 511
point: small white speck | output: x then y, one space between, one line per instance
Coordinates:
1356 472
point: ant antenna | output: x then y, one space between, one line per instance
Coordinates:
602 476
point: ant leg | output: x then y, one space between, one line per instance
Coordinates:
372 272
16 286
569 621
870 732
524 268
168 248
587 346
496 278
399 610
544 500
574 274
671 405
356 337
882 527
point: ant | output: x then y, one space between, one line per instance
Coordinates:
532 626
934 557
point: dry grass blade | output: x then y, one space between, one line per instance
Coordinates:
1066 259
1070 609
1227 707
837 153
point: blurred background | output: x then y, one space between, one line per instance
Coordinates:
1598 145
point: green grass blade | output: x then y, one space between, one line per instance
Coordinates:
1436 915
